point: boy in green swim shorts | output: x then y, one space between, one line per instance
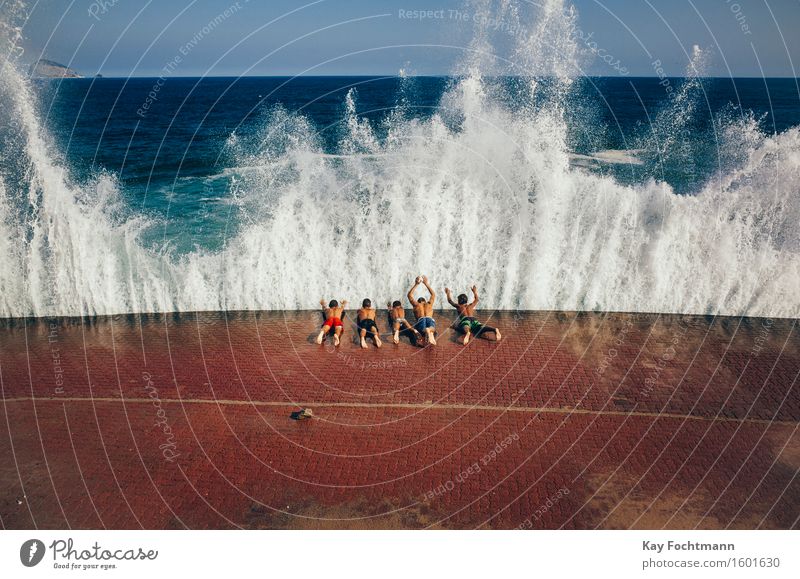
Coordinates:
466 323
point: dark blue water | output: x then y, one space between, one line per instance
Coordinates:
166 140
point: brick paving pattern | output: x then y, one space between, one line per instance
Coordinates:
571 421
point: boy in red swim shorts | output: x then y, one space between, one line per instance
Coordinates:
333 320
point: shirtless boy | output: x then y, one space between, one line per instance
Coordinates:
333 320
423 310
366 324
466 322
399 323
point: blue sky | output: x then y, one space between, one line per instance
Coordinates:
281 37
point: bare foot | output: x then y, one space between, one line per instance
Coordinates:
335 340
320 337
378 342
363 343
497 335
432 339
396 338
467 337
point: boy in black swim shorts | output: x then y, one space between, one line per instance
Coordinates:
366 324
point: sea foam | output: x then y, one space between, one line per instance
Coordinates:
475 194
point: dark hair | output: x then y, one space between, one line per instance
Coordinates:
421 300
366 303
333 304
462 299
396 304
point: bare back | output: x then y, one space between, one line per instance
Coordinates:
334 312
366 314
466 310
423 310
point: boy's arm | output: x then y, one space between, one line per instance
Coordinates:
430 289
474 293
412 290
450 297
322 303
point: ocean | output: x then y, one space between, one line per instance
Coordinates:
177 161
676 195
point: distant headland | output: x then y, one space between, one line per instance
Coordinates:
49 69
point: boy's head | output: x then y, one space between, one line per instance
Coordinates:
421 300
396 304
333 304
367 303
462 299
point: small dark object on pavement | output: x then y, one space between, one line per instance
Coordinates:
302 414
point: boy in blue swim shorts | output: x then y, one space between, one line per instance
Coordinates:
423 310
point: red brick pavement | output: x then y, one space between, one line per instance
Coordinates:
572 421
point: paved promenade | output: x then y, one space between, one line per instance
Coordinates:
571 421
